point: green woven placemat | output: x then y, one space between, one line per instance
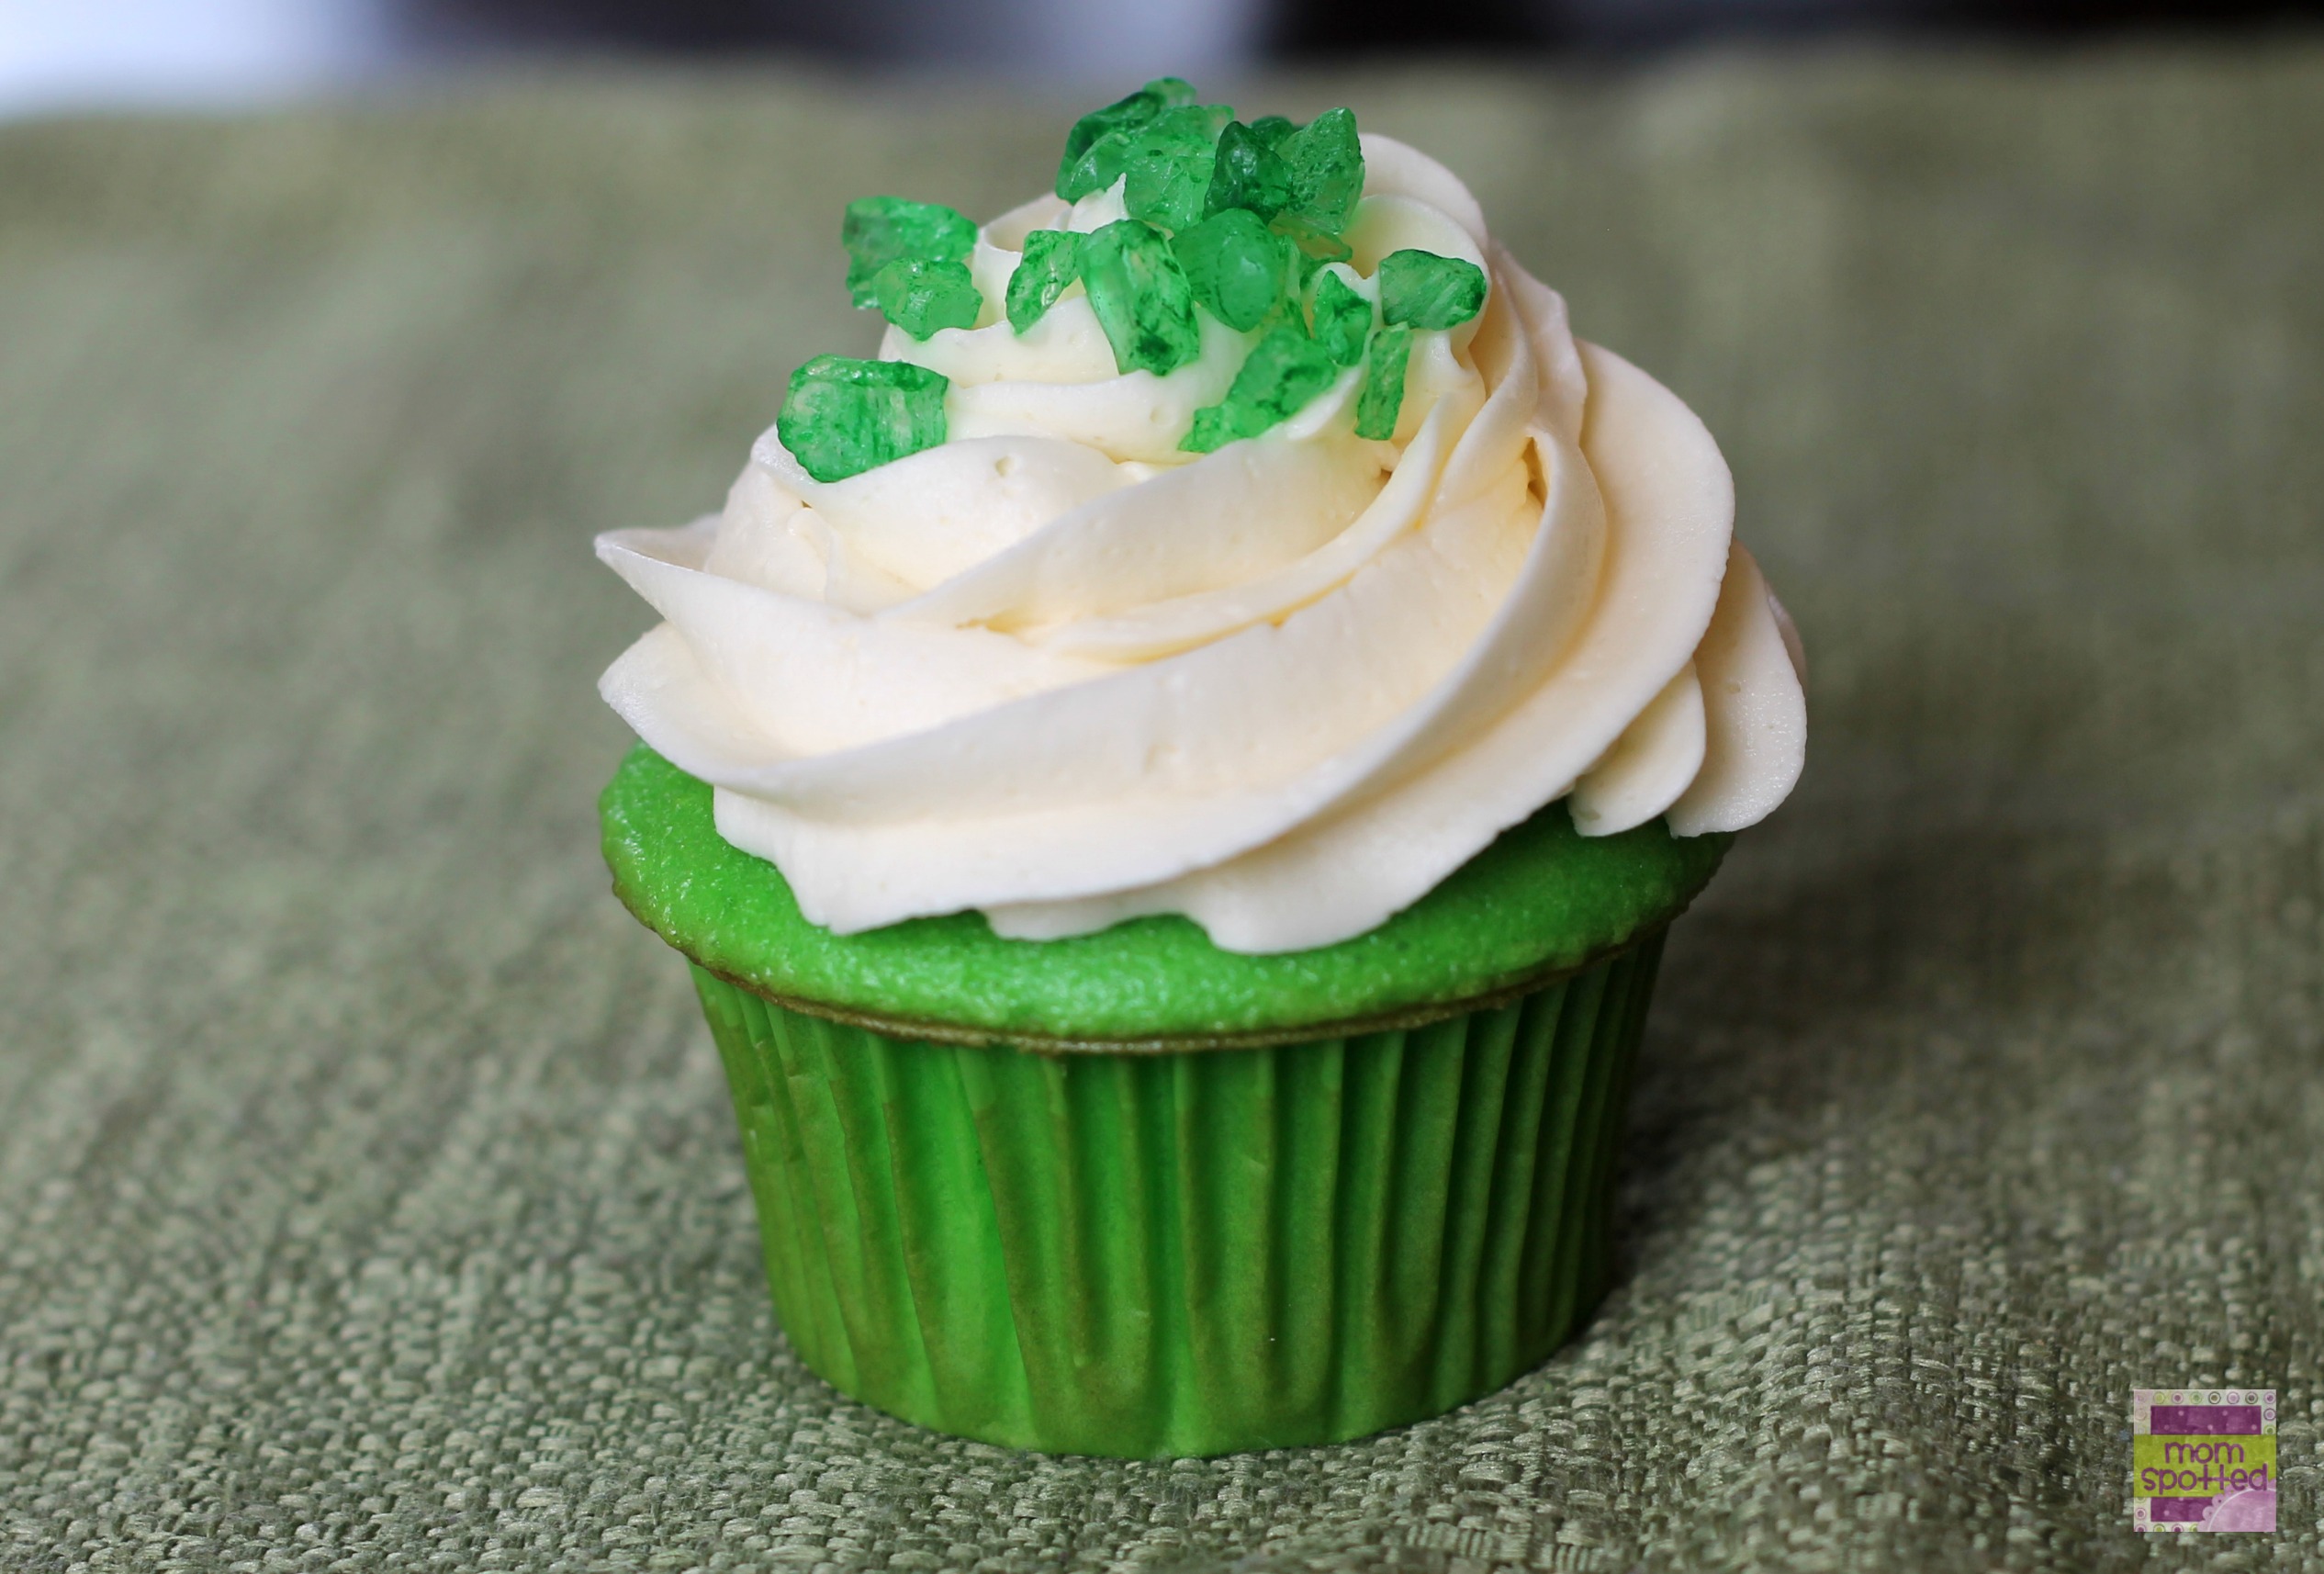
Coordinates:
368 1194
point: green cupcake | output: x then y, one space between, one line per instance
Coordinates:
1173 779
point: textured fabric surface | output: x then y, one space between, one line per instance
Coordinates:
368 1193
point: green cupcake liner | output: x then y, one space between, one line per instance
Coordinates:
1184 1253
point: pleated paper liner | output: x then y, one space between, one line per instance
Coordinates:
1180 1254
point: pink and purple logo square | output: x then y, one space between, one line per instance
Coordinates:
2203 1459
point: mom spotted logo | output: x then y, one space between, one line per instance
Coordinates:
2203 1459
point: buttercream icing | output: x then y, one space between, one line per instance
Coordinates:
1061 671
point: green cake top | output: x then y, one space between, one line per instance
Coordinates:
1541 900
1221 218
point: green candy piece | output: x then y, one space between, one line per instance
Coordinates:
1122 114
882 229
1382 399
1247 172
1097 168
1052 262
1167 165
1342 319
1318 249
1272 128
920 296
1141 298
1284 371
1429 291
843 417
1326 163
1236 266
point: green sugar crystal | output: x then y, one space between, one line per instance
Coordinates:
920 296
1052 262
1326 164
1141 298
1382 396
1098 167
1342 319
1167 165
1428 291
1248 173
1236 266
882 229
1161 157
1318 249
1272 128
1123 115
843 417
1284 371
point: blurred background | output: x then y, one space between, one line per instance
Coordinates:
62 55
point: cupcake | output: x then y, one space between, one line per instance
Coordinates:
1172 779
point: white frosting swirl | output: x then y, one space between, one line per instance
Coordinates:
1058 670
